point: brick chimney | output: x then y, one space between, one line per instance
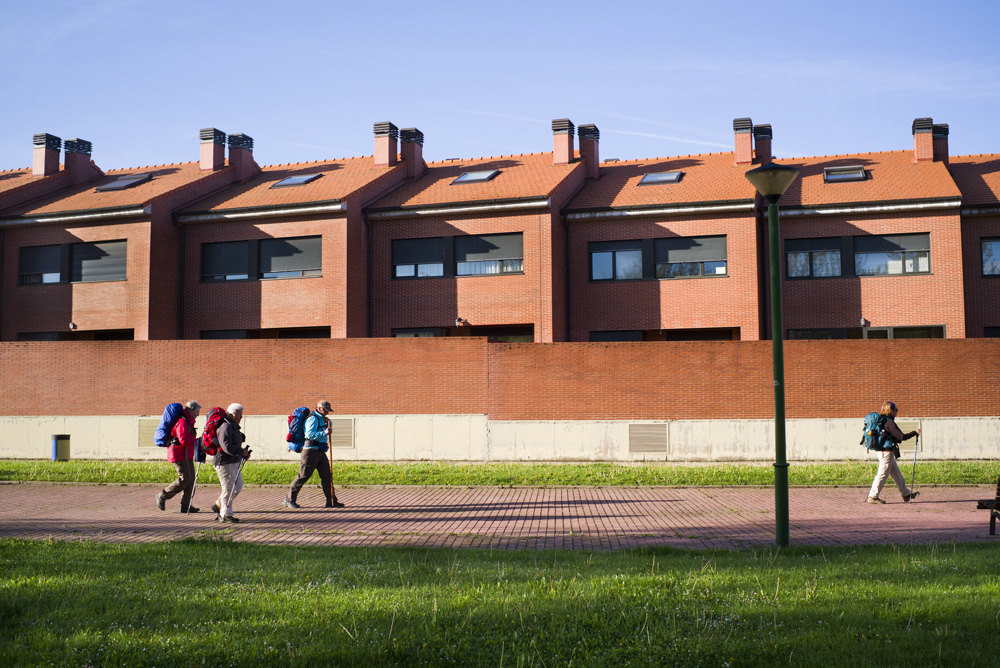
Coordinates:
743 129
78 163
413 152
562 141
46 154
762 144
923 140
940 134
241 157
590 136
213 149
386 135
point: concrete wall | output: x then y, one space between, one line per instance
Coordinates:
474 438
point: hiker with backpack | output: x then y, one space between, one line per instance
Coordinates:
176 433
313 446
883 436
228 462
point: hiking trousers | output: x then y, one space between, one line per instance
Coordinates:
313 460
887 466
231 480
183 485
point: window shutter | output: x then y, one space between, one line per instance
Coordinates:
297 254
225 258
418 251
40 259
489 247
100 261
891 243
690 249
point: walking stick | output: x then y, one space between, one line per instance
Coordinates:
913 474
239 472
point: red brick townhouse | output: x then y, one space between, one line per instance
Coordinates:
282 253
477 247
872 244
978 177
666 249
94 255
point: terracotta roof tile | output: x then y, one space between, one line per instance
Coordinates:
891 176
978 177
525 175
709 177
15 178
340 179
165 179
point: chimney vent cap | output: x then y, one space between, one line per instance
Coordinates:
47 140
563 125
589 131
762 131
79 146
241 140
922 125
940 129
741 125
385 128
412 135
213 136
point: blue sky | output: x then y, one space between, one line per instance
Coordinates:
307 79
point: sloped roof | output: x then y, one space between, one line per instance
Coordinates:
164 179
890 176
15 178
521 176
339 181
978 177
709 177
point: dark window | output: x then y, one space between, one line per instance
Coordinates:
98 261
38 336
892 254
224 334
290 257
686 257
476 177
615 260
225 261
619 335
660 177
477 255
991 332
417 332
991 257
829 333
839 174
812 258
126 181
296 180
41 264
418 258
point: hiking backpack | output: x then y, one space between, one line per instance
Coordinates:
875 436
171 414
209 439
297 429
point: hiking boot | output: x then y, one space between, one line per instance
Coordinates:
875 499
288 503
230 519
189 509
334 504
215 508
911 495
161 501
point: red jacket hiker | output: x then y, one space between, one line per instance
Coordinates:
183 435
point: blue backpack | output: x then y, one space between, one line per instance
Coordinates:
171 414
875 436
297 429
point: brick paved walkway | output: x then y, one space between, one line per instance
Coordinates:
519 518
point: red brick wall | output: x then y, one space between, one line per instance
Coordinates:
514 299
51 307
982 293
696 303
886 301
559 381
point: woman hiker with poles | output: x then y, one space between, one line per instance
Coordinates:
887 458
229 462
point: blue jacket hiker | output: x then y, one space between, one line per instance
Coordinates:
313 458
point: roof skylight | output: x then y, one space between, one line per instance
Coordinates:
838 174
476 177
660 177
300 180
125 181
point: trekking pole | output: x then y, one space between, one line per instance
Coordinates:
194 487
239 472
913 474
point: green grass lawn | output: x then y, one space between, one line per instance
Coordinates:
347 473
222 603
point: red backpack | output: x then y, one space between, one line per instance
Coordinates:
209 439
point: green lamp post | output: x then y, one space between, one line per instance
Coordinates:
771 181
